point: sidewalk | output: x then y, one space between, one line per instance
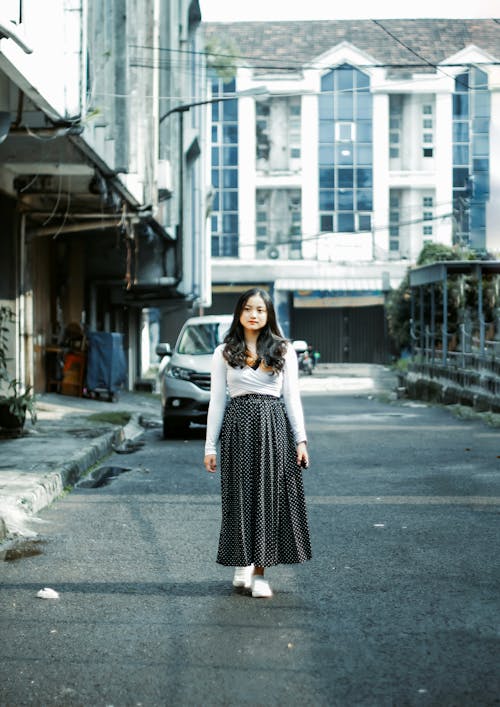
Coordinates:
57 451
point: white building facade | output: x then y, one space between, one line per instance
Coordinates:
327 187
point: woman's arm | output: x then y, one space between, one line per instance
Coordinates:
291 395
217 403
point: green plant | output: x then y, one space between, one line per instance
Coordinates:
221 57
398 305
18 402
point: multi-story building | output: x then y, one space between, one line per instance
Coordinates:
94 178
371 140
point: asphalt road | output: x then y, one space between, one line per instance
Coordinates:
400 605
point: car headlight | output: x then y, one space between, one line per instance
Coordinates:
178 372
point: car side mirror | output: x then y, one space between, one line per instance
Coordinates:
163 350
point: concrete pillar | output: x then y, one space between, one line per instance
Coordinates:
443 162
309 157
380 175
493 205
246 177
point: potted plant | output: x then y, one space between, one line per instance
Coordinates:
14 402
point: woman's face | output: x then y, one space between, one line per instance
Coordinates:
253 316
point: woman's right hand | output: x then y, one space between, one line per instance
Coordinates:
210 462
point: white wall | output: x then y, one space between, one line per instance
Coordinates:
52 28
493 206
246 176
380 218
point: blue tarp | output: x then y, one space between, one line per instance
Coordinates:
106 366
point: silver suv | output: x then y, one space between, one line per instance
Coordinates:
184 373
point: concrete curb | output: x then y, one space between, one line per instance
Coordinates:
18 512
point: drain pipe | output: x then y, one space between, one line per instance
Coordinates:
21 313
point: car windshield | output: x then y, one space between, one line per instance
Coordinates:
198 339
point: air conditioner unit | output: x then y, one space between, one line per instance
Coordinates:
278 252
164 175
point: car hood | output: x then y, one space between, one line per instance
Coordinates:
201 363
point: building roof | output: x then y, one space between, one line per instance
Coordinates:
414 42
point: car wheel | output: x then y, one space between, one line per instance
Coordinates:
174 428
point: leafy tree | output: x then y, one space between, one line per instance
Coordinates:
221 58
398 305
462 297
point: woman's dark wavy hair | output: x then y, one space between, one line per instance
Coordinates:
271 345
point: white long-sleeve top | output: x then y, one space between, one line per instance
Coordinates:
242 381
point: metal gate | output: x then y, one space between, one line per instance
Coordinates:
344 334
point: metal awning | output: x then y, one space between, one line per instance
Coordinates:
333 284
438 272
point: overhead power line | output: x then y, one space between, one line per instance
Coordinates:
272 63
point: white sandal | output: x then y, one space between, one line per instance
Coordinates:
243 577
261 588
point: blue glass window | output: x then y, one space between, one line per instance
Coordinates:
462 83
460 132
364 130
480 165
480 145
327 82
230 155
460 177
364 154
345 76
230 200
345 153
364 177
480 79
224 220
326 130
345 107
345 200
326 156
345 177
325 106
230 178
230 110
363 105
230 133
363 80
326 177
461 105
481 104
480 125
460 154
230 223
345 150
326 199
365 222
478 216
364 200
481 186
345 223
326 223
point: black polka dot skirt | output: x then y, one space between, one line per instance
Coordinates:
264 518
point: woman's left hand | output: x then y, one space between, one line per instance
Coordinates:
302 455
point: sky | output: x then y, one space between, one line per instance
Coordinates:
267 10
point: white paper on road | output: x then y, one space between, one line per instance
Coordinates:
48 593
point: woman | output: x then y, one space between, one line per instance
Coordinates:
262 445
